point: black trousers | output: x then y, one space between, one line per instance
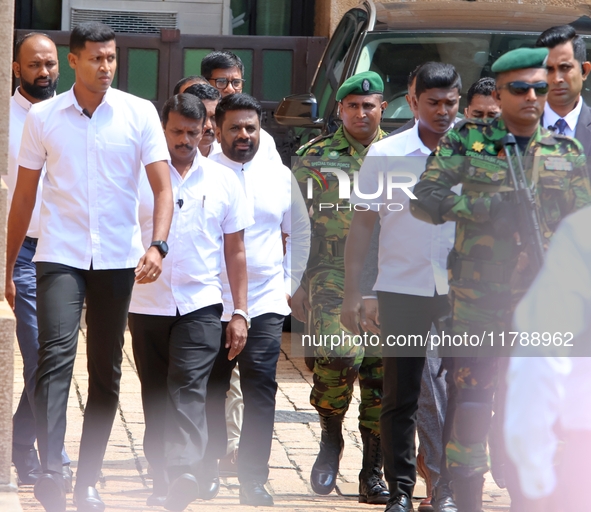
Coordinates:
60 294
402 314
258 367
174 356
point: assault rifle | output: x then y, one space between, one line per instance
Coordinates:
524 199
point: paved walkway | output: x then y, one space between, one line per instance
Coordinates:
126 486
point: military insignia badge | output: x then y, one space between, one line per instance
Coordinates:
495 177
365 85
333 155
478 146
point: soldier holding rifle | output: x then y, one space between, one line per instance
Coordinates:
491 236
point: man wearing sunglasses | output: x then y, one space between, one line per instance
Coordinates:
566 112
482 267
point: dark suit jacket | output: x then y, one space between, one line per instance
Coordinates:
582 132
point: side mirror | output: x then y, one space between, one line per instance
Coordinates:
298 110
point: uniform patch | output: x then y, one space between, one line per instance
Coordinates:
333 155
445 152
557 163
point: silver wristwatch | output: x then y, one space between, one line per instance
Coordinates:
244 315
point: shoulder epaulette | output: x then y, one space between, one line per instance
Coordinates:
465 121
307 145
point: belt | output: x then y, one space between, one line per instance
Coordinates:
30 240
476 270
336 248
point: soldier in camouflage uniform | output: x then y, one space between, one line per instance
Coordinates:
483 265
335 370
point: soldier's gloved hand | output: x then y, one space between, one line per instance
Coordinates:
504 217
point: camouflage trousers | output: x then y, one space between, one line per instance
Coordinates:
337 368
473 381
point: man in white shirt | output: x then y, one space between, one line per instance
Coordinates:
412 280
225 71
36 66
92 140
278 207
175 322
210 97
550 394
566 112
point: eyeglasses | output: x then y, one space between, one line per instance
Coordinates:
522 88
222 83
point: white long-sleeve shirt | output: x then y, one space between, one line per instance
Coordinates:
277 206
546 390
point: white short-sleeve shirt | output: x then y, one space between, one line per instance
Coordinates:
209 203
19 107
90 190
412 254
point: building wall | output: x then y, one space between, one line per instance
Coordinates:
329 12
207 17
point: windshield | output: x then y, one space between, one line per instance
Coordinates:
395 55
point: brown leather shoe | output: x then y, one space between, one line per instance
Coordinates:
425 505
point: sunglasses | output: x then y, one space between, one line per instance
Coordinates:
222 83
522 88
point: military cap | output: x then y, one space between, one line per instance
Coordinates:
521 58
364 84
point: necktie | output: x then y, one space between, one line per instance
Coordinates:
560 126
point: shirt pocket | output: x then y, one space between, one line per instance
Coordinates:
485 171
554 196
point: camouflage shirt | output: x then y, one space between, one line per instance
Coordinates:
471 154
329 225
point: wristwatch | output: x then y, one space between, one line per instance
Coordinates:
244 315
162 247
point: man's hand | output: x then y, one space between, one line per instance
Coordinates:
352 311
300 305
10 291
371 320
149 267
236 334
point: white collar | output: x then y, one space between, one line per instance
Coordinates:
21 100
235 166
414 142
194 167
550 117
70 99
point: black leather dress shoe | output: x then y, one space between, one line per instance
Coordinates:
209 489
51 492
181 493
87 499
400 503
26 462
255 494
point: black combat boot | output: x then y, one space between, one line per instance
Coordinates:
468 492
372 488
323 478
442 500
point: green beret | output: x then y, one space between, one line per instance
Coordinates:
521 58
364 84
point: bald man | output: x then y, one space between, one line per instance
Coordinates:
36 66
